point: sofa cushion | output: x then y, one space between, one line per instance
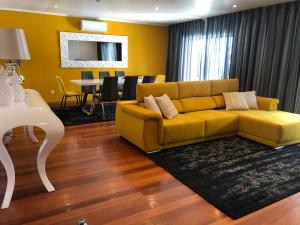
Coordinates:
151 104
182 128
156 89
276 126
250 97
235 101
189 89
166 106
220 101
220 86
176 103
197 103
216 122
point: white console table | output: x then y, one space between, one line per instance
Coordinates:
35 112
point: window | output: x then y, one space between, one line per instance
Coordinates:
209 58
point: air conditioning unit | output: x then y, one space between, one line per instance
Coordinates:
94 26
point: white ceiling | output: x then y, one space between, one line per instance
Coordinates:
139 11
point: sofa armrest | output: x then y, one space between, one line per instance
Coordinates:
140 126
267 104
141 112
129 102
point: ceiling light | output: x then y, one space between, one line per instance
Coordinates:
156 8
234 6
55 6
109 12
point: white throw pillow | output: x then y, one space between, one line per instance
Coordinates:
250 97
235 101
151 104
166 106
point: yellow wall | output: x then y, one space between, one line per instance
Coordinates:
147 49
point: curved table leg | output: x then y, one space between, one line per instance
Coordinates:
31 134
53 136
10 172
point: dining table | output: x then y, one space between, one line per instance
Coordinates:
95 82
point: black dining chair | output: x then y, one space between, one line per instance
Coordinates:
119 73
103 74
109 93
148 79
129 88
86 90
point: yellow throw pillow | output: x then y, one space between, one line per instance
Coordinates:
235 101
166 106
151 104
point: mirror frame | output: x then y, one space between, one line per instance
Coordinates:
64 50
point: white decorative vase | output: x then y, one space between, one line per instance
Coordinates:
6 89
19 94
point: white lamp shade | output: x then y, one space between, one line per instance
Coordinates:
13 45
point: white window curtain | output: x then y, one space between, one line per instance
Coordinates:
209 58
200 54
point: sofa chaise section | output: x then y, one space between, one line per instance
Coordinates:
273 128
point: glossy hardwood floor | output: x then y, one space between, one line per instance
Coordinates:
106 180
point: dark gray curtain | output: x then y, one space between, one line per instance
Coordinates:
266 52
181 39
260 46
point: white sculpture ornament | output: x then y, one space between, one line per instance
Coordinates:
6 89
19 94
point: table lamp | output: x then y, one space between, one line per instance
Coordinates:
13 48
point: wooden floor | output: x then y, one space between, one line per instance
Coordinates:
106 180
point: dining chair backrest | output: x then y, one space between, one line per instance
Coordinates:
160 78
110 89
129 87
103 74
87 75
61 86
119 73
148 79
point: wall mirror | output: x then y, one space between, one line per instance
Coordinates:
81 50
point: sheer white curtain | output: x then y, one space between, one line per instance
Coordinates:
182 54
209 58
200 50
109 51
218 56
194 49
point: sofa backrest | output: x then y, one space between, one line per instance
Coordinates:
187 89
190 95
220 86
156 89
194 95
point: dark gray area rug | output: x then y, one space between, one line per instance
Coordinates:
73 116
236 175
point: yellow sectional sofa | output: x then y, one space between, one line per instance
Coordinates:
202 116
